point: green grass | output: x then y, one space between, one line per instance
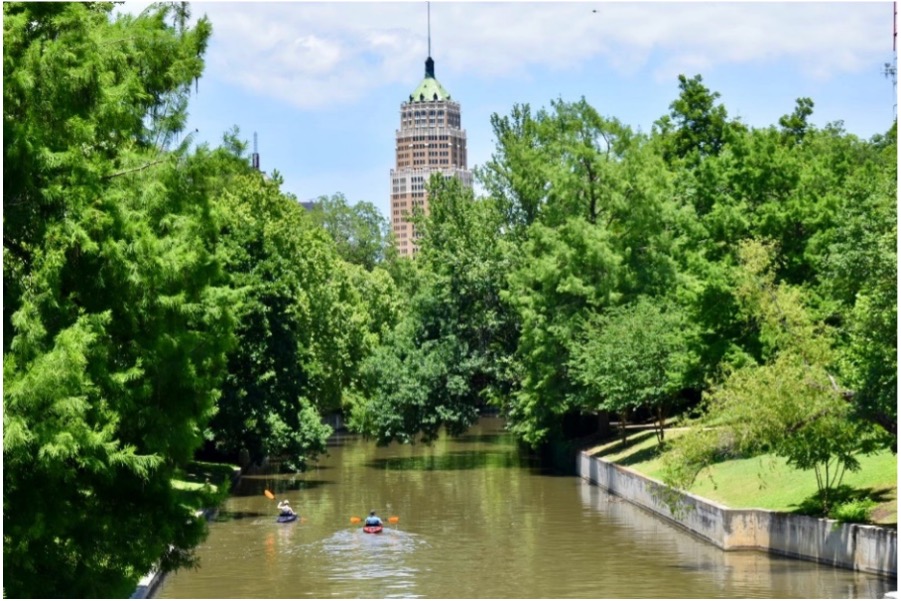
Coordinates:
200 484
764 482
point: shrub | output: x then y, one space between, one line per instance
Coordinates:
856 511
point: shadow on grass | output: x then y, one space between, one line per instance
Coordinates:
636 456
812 506
639 456
200 484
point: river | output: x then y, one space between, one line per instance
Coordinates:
475 519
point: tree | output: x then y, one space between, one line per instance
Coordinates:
514 176
696 127
791 405
267 405
763 185
307 319
603 234
360 232
444 361
567 273
634 356
858 260
118 317
795 126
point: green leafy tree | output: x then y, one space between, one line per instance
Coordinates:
696 126
791 405
859 266
636 356
761 186
360 232
568 273
514 176
445 360
265 401
603 234
307 320
117 312
795 126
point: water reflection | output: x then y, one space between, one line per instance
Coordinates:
477 520
454 460
734 573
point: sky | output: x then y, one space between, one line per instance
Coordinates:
321 83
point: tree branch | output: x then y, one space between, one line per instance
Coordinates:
17 249
134 169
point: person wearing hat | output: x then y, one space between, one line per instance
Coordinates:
373 520
285 509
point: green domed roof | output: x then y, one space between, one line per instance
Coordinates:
429 90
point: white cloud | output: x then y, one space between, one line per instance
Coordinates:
316 54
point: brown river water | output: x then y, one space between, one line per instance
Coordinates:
475 519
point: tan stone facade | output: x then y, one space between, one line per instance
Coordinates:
430 140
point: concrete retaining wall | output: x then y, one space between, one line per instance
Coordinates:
870 549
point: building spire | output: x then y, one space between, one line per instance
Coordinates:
429 63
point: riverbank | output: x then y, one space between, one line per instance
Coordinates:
866 548
766 481
153 579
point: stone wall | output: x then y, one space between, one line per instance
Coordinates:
870 549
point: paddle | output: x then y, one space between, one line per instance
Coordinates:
393 520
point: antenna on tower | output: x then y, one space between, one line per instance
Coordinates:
429 63
255 160
891 69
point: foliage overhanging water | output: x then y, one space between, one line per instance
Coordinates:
476 519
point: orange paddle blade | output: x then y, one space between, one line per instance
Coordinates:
269 494
354 520
394 519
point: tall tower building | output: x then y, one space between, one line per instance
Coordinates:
429 141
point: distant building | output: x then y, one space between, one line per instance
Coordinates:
429 141
309 205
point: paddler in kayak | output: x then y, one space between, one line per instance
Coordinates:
284 509
373 520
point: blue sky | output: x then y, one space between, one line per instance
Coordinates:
321 83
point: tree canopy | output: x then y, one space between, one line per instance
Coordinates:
118 317
164 299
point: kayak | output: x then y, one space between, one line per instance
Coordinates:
283 519
372 529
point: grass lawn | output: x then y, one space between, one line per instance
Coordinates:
201 483
764 482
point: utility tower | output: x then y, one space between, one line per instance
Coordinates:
255 159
